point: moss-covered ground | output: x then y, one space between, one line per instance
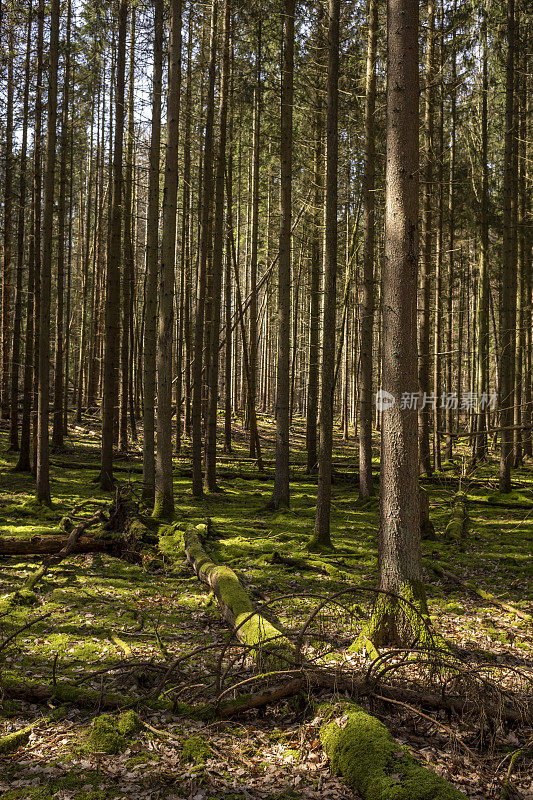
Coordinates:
114 627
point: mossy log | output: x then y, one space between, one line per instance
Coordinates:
457 527
265 641
12 741
50 545
445 574
68 693
362 750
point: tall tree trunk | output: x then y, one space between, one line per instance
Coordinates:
37 224
227 274
216 284
399 533
152 262
483 284
7 275
164 494
82 359
321 537
451 258
316 237
255 222
204 244
281 493
528 405
508 278
17 323
112 303
31 366
366 487
128 269
439 252
427 236
183 342
521 205
43 443
58 429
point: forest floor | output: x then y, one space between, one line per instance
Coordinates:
114 627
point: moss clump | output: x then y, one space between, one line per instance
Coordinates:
457 527
362 750
195 750
129 723
23 597
104 736
316 545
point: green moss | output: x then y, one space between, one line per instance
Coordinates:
320 546
201 712
401 621
362 750
453 607
15 740
104 736
195 750
129 723
144 757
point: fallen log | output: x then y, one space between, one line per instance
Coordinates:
64 692
234 604
265 641
67 549
52 544
362 750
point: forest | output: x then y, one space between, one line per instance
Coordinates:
266 467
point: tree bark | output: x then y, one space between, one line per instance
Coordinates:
59 378
112 304
399 545
7 275
321 537
152 262
426 265
508 277
129 267
164 492
366 487
316 238
204 244
17 323
216 275
43 442
281 493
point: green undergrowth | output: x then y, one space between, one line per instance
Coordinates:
159 609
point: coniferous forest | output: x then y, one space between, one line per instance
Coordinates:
266 485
